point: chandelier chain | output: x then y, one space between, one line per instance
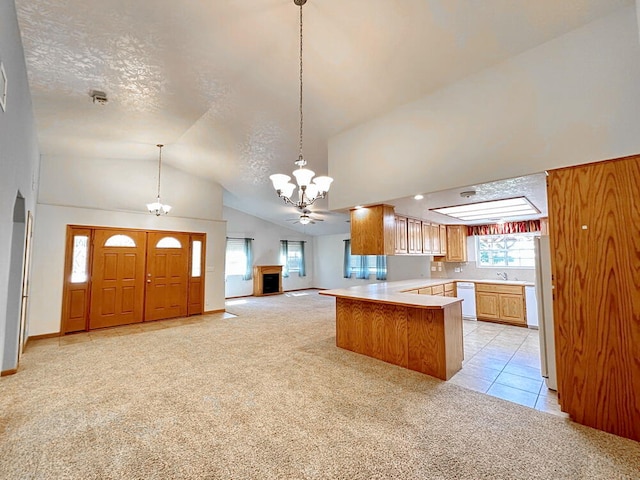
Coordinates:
301 114
159 167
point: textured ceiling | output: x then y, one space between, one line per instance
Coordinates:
217 82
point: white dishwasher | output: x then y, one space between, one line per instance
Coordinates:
467 292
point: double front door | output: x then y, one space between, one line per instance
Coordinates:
119 277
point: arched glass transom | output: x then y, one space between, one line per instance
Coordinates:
120 241
169 242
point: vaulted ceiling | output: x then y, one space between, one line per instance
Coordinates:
217 81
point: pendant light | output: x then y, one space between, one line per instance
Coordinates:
309 189
157 207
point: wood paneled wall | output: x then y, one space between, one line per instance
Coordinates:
594 223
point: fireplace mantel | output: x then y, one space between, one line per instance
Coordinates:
259 272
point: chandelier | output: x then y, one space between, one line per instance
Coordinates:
309 188
157 208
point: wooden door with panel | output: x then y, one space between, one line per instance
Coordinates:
117 284
167 279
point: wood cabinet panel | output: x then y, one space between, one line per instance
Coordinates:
401 244
435 239
487 305
425 291
512 308
593 218
414 234
456 243
443 239
502 303
373 230
426 238
437 290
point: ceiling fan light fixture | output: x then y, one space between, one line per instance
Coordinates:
305 219
308 192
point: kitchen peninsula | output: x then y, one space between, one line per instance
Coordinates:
418 332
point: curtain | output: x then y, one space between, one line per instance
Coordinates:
363 269
381 267
284 257
248 254
302 272
346 265
507 227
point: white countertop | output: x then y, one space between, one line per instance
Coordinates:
395 292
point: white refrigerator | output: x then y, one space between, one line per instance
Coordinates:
544 295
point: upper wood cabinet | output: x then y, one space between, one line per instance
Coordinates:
414 235
402 245
373 230
456 243
595 258
426 238
435 239
443 239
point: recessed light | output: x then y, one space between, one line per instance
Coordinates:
467 193
418 197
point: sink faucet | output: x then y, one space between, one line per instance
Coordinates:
503 275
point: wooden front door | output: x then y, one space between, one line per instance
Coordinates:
167 275
117 293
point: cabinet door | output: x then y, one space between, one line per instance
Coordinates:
443 239
487 305
457 243
512 308
401 235
425 291
426 238
414 232
435 239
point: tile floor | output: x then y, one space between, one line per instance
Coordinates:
504 361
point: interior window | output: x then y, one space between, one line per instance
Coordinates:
79 265
168 242
120 241
196 255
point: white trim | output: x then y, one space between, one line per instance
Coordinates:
3 88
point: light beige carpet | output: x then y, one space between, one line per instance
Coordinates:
268 395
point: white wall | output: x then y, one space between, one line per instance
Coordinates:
569 101
19 158
113 193
329 260
127 185
266 250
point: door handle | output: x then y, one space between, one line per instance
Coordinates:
149 281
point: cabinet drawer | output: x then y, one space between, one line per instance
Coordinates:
425 291
497 288
450 288
437 290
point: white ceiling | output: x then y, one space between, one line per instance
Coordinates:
217 81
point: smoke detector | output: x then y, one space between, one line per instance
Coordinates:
99 97
467 193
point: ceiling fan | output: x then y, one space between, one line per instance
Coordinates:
305 218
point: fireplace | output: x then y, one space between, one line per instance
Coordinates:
267 280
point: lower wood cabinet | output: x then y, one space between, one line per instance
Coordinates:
501 303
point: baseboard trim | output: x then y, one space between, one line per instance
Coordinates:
5 373
41 337
221 310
